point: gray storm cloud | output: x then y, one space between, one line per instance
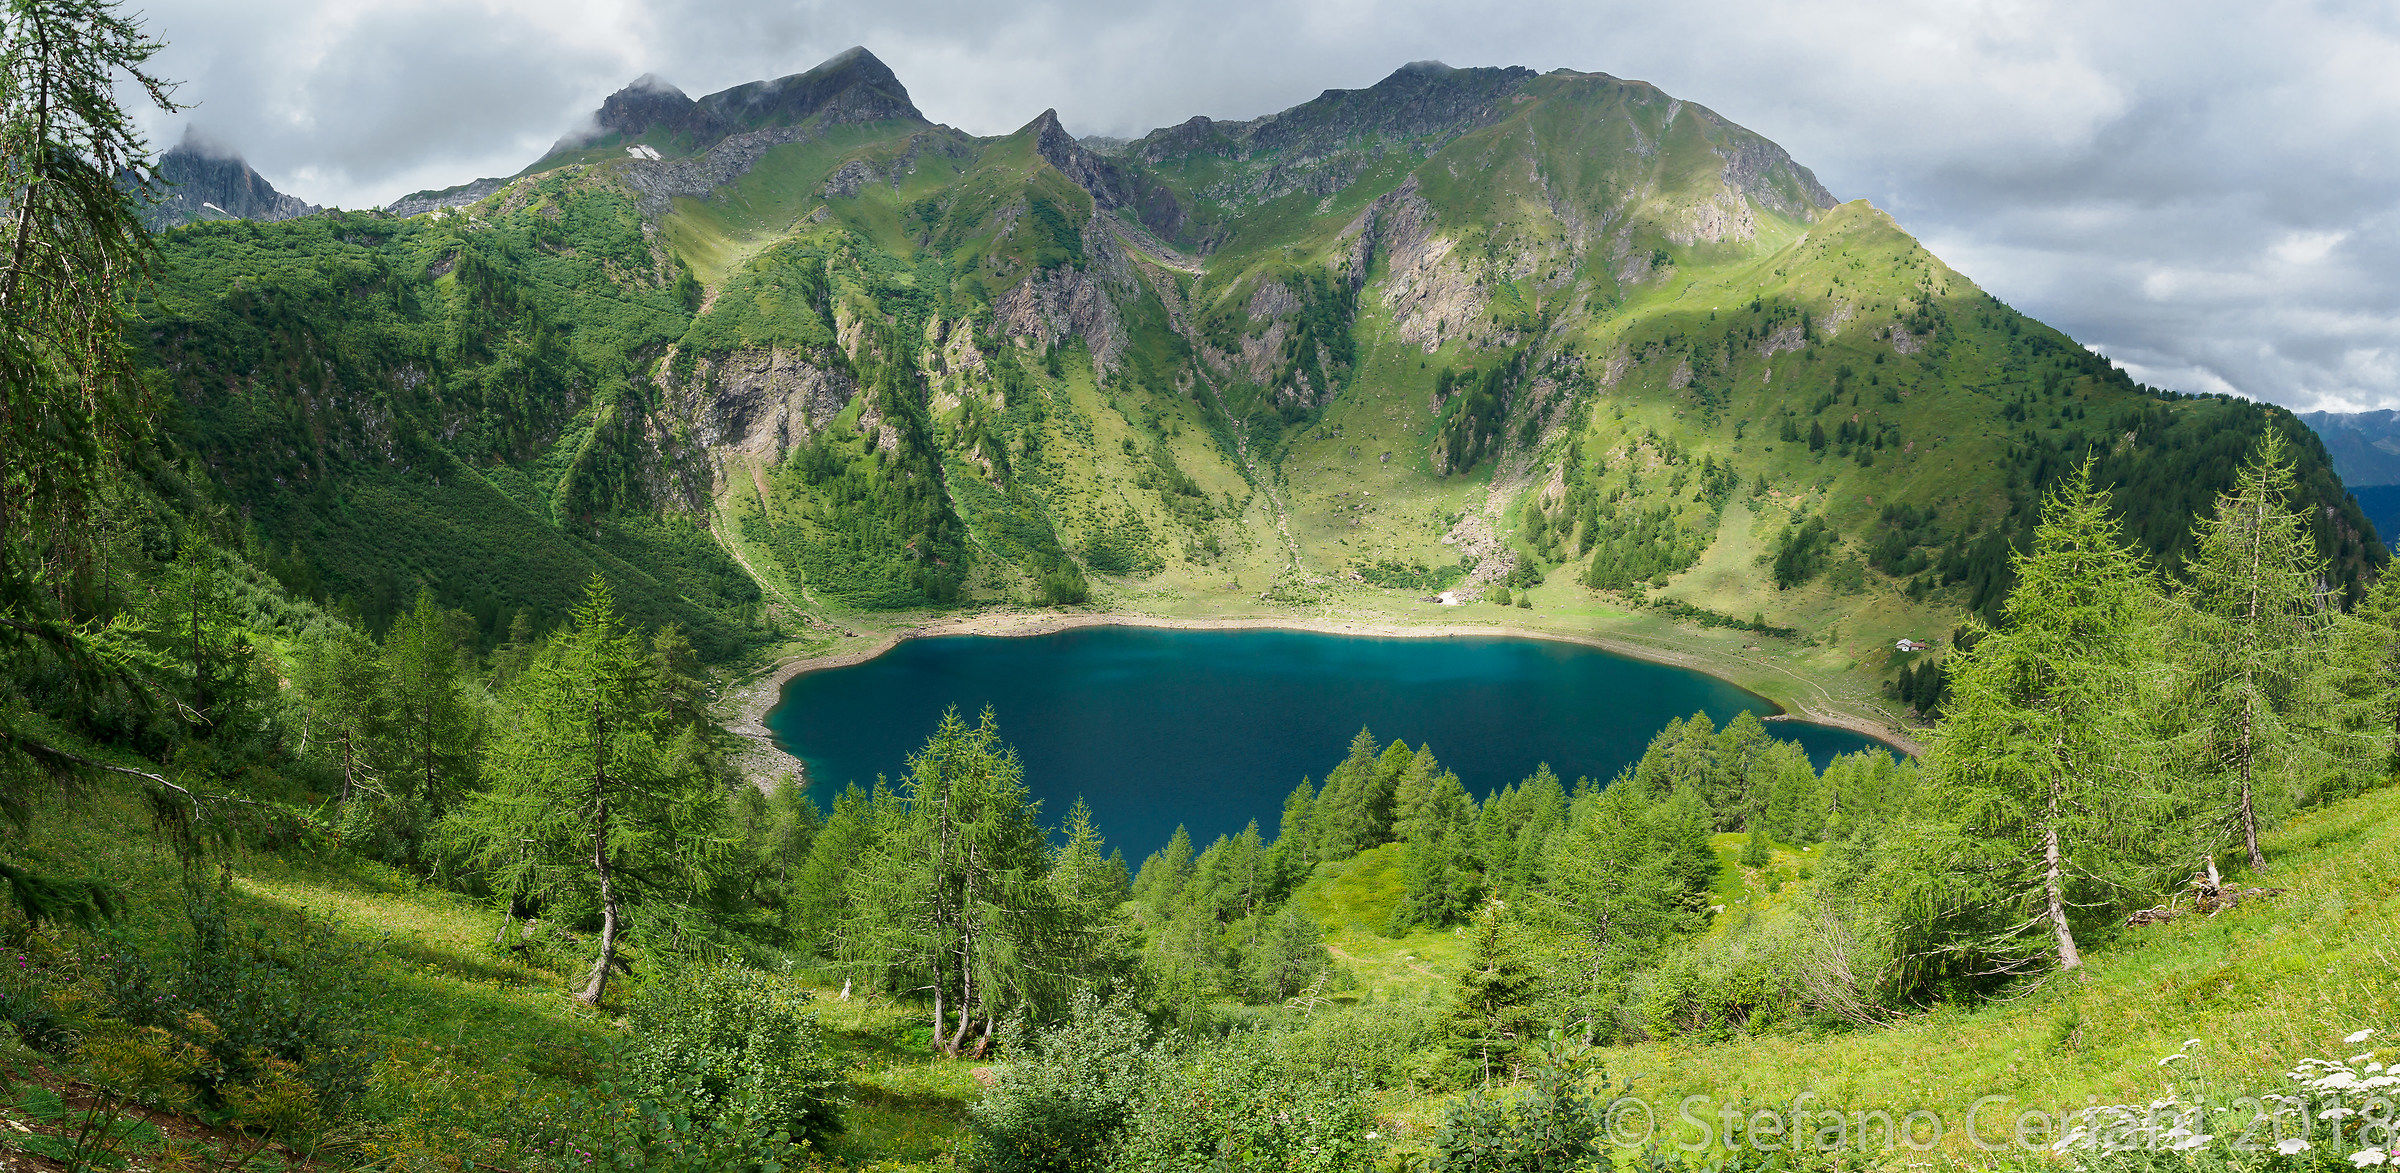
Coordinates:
2207 192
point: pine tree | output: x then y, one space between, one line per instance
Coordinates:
2048 749
2255 625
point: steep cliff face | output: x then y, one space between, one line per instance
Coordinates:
749 408
198 181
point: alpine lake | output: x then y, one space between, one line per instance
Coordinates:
1210 729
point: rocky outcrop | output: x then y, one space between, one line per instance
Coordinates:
419 203
1069 302
1432 293
753 406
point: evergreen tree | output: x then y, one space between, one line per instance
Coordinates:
1164 874
1294 853
821 888
956 895
2363 673
1288 957
344 685
1354 810
1086 882
1490 1023
2255 626
1437 869
2047 750
583 784
1608 901
1679 830
71 242
431 729
1754 848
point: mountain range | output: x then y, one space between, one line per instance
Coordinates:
792 350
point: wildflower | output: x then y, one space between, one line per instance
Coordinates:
2170 1059
2192 1142
2291 1145
2360 1037
2369 1158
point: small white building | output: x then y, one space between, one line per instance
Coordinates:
1910 645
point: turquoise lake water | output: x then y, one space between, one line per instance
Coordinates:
1211 729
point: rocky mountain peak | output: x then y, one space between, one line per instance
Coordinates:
200 178
647 104
853 85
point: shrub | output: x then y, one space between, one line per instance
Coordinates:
1550 1127
1060 1108
261 1009
1232 1108
732 1047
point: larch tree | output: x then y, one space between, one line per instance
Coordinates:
589 784
431 728
2363 675
2049 746
71 243
2255 626
1607 900
955 899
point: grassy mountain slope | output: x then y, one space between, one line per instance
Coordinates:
1561 334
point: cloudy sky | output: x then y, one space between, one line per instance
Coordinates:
2207 192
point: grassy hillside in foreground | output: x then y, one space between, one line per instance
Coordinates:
2262 986
470 1033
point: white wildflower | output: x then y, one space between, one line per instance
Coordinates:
2336 1112
2368 1158
2361 1036
2192 1142
2170 1058
2291 1145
